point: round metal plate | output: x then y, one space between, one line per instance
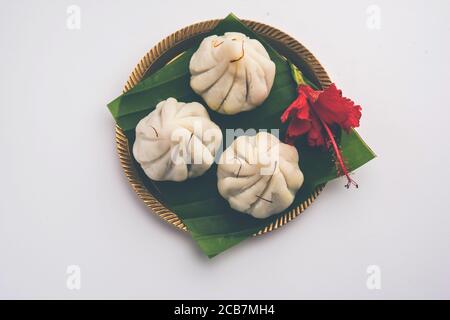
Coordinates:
178 42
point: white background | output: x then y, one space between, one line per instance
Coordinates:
64 199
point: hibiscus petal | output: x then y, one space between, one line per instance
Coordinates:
298 108
309 92
353 119
289 112
332 108
298 127
303 112
315 133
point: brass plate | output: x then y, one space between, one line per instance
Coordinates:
177 43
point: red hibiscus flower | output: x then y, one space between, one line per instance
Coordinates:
313 111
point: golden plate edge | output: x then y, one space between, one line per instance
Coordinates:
153 55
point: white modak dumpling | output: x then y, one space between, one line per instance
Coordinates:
176 141
259 175
232 73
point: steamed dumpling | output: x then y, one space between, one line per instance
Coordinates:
176 141
259 175
232 73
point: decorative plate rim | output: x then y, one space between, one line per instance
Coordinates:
154 55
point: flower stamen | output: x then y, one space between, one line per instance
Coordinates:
338 154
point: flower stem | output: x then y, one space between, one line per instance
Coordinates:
350 181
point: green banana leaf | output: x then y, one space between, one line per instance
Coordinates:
210 220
